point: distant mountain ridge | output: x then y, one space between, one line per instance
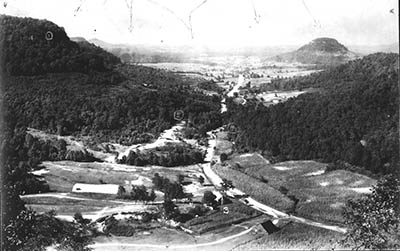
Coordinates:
320 51
369 49
78 39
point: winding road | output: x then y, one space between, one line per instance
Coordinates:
211 176
171 247
217 181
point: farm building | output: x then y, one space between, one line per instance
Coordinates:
95 188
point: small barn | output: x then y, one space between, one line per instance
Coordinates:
95 188
270 227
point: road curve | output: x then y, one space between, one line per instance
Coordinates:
185 247
216 180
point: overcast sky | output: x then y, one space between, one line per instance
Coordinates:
219 22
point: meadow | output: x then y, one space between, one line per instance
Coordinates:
295 236
321 195
260 191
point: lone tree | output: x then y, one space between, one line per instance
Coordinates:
170 210
180 178
201 179
374 220
209 198
223 157
121 192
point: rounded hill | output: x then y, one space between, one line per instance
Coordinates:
324 44
322 51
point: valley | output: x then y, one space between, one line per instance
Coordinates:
219 150
62 176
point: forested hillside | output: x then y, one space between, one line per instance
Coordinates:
53 84
31 46
64 87
365 69
353 118
98 106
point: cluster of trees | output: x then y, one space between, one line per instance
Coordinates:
17 163
169 156
115 227
23 228
210 86
171 211
31 46
197 127
137 193
33 231
120 228
374 220
353 118
209 199
172 190
40 150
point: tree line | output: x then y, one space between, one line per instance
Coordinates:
354 117
168 156
138 193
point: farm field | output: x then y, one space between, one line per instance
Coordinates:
321 194
224 238
255 188
294 236
223 145
62 175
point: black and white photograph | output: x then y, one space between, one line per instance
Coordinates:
226 125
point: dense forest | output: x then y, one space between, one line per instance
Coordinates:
354 118
51 83
210 86
31 46
365 69
81 104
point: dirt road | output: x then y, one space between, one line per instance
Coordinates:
216 180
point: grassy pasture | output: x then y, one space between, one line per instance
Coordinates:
223 145
295 236
255 188
64 174
62 209
321 196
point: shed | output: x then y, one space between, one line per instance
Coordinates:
270 227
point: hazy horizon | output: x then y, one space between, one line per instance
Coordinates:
219 24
